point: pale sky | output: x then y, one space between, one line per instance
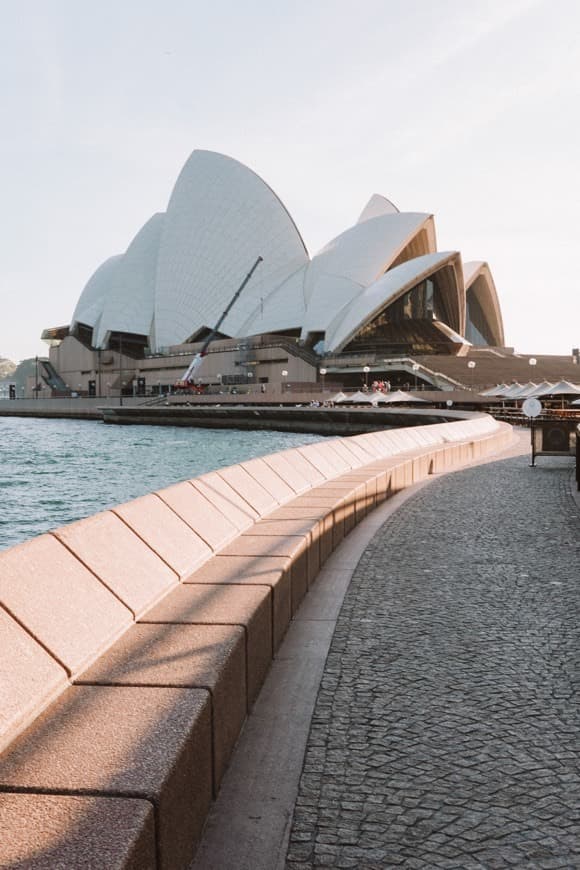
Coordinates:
467 109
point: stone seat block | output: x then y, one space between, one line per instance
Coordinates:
47 831
261 472
295 548
324 459
124 741
290 472
249 489
298 460
211 657
246 606
309 529
217 491
337 504
29 679
60 602
270 572
166 533
324 516
200 514
120 559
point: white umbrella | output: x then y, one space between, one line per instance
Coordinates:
562 388
495 391
541 389
400 396
512 391
340 397
524 391
358 397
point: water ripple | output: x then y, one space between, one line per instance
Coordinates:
57 471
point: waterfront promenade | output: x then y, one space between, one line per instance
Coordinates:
445 732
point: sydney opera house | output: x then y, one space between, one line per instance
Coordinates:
377 293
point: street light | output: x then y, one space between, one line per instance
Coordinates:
366 370
471 366
284 375
322 374
415 370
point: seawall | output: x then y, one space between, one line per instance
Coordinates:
134 642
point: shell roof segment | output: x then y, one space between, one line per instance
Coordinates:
220 218
377 205
353 261
129 304
91 302
382 292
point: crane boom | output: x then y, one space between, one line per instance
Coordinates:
197 360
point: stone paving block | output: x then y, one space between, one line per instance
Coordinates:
268 479
271 572
209 657
290 472
249 489
65 607
29 679
120 559
246 606
226 500
124 741
166 533
293 548
201 515
48 832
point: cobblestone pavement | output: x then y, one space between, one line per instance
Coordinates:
447 731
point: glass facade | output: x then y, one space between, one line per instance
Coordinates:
477 329
409 323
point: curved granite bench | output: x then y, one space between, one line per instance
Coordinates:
135 641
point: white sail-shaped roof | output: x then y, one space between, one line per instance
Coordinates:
220 218
352 261
130 303
91 302
382 292
283 309
479 283
377 205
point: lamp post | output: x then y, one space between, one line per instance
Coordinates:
415 370
284 375
366 370
249 376
471 366
322 374
36 378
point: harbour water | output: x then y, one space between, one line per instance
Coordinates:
55 471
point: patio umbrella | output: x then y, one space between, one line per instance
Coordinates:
399 396
340 397
358 397
512 391
562 388
495 391
525 391
540 389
